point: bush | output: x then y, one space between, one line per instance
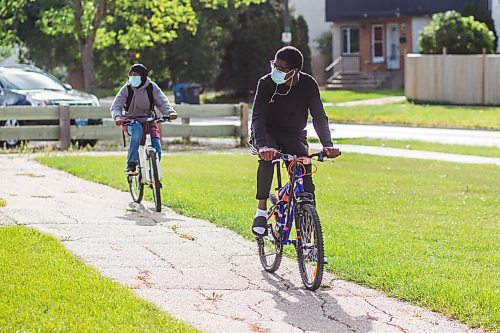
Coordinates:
460 35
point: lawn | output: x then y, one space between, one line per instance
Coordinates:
421 145
339 96
422 231
409 114
45 288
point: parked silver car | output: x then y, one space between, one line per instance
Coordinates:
29 85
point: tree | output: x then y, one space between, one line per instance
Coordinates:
89 21
254 42
145 23
44 50
11 15
300 33
325 45
482 15
460 35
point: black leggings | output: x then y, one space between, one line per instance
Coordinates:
287 145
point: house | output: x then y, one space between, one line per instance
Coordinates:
313 12
372 37
495 13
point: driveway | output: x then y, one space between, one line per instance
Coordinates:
202 274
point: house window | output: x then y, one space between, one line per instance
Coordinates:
350 40
378 43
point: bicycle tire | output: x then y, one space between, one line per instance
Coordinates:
155 180
310 251
270 247
136 187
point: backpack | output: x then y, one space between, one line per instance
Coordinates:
130 95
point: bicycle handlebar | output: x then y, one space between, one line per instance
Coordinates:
161 119
287 157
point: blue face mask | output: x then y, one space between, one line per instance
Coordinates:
135 81
279 76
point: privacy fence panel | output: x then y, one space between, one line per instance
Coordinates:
455 79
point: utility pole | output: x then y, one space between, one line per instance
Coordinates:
286 35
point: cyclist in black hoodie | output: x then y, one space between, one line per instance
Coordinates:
283 101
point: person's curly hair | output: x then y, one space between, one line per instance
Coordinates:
292 56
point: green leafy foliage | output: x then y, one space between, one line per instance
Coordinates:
325 45
255 41
11 15
480 14
460 35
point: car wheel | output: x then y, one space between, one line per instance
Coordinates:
84 143
10 143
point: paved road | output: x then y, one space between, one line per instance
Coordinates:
202 274
418 154
438 135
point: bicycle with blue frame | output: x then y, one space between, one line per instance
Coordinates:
292 204
149 171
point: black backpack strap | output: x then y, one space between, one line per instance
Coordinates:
149 89
129 97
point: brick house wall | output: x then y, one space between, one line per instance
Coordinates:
366 57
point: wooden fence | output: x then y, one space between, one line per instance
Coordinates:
62 115
455 79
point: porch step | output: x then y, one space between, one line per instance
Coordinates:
355 81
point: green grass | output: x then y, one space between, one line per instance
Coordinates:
45 288
107 92
2 202
409 114
423 231
421 145
339 96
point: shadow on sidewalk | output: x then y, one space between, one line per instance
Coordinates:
314 311
144 216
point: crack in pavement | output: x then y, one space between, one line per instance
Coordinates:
330 317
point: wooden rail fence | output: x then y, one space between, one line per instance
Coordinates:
60 119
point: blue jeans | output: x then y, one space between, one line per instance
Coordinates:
135 132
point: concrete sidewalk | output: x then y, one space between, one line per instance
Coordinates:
202 274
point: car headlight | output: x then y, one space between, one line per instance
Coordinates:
95 101
35 102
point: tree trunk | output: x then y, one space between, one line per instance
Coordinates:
89 77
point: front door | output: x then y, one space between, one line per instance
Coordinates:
393 46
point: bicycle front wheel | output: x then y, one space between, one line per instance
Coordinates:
155 180
136 187
270 247
310 250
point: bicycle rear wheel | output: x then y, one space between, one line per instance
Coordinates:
270 247
155 180
310 250
136 187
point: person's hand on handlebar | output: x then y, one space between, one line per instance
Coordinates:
119 121
267 154
172 115
331 152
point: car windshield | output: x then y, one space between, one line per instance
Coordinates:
28 80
